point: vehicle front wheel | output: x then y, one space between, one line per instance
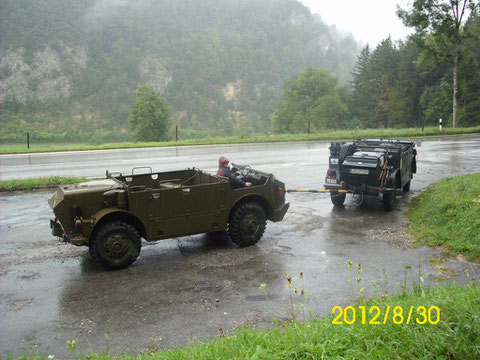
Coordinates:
247 224
337 198
116 245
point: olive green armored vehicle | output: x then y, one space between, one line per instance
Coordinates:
111 216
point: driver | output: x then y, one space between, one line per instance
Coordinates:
225 171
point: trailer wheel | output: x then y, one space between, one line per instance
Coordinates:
406 187
247 224
390 198
337 198
116 245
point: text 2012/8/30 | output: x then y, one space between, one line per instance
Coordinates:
373 315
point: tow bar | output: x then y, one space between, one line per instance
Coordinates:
341 191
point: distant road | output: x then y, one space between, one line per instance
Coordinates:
94 163
274 158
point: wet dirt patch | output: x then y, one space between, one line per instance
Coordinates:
28 276
33 244
398 235
29 255
303 219
18 305
283 250
256 298
207 287
224 257
253 320
83 325
310 224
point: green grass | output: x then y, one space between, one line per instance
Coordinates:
455 336
29 184
329 135
448 214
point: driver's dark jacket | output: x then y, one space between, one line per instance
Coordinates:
235 181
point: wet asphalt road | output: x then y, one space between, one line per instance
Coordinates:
187 289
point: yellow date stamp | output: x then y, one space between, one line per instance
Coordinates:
374 315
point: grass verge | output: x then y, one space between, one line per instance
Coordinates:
34 183
447 214
329 135
455 336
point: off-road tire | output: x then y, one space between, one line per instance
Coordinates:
406 187
116 245
345 150
247 224
337 198
390 198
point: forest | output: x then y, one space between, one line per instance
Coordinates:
220 65
410 83
69 70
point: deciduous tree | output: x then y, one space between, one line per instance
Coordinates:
312 101
150 115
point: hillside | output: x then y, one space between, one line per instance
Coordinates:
72 67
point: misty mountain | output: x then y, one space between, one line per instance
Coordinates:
71 65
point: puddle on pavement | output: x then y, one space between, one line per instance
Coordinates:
25 209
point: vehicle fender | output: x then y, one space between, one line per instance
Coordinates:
396 174
111 214
253 197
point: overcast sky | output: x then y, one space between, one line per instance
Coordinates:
369 21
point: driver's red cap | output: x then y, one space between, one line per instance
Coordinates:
223 161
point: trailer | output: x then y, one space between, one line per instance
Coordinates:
370 167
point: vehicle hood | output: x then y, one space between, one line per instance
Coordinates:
95 185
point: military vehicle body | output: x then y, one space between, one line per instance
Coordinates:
111 216
377 167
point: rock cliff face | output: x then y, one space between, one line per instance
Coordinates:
48 74
154 73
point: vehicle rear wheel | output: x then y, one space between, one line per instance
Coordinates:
406 187
390 198
247 224
337 198
116 245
